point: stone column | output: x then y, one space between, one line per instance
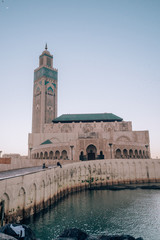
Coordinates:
72 152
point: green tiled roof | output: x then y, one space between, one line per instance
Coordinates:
46 142
97 117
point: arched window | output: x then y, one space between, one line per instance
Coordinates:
46 155
131 153
101 156
140 153
41 155
81 156
64 155
57 155
136 153
125 153
118 153
37 155
50 90
51 155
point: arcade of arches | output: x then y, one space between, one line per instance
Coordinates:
51 155
92 154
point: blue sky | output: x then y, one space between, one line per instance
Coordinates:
108 57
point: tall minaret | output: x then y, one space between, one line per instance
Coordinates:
44 92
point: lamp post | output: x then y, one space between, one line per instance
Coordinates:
72 152
110 144
146 150
30 152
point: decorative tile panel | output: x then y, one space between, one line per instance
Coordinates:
49 73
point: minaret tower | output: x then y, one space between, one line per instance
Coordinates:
44 92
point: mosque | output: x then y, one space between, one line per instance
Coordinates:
77 137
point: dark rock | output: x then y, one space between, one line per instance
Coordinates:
66 238
77 234
153 187
116 237
74 233
18 231
6 237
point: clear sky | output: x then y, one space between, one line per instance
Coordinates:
107 53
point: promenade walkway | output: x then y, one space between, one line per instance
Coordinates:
22 171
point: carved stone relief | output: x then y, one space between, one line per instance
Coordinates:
123 139
124 126
66 128
87 128
108 128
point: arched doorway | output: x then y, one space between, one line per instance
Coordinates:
91 152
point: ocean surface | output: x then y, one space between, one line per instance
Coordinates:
134 212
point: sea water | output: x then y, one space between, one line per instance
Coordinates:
133 212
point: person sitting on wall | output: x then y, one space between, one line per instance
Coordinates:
58 164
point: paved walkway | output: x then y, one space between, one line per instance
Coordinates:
22 171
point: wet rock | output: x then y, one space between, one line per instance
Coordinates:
116 237
77 234
74 233
18 231
6 237
153 187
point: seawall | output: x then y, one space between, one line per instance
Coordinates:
27 194
7 164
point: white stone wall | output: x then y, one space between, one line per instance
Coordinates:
99 134
30 193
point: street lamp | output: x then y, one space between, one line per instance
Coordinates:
30 152
110 144
146 150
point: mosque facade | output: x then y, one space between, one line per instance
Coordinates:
77 137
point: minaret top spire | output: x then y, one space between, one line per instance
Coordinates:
46 47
